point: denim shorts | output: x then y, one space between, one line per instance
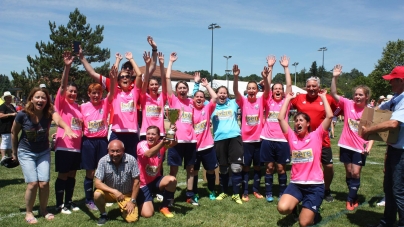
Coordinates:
35 166
5 141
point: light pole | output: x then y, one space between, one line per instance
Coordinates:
295 64
322 49
212 27
227 71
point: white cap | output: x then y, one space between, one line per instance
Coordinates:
382 97
7 93
389 97
42 86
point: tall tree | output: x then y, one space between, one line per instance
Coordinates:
392 56
47 68
5 84
313 69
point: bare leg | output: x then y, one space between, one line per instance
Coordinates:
30 196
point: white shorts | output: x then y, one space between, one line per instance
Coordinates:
5 141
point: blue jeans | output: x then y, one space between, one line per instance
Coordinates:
35 166
394 187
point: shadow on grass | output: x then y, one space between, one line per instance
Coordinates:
288 220
4 183
364 217
342 196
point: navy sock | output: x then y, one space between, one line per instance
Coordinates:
70 183
257 180
195 185
211 178
353 189
190 194
88 189
246 177
224 182
269 180
60 186
348 181
167 197
282 178
236 179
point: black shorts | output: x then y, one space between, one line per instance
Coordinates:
230 151
66 161
326 156
92 150
347 156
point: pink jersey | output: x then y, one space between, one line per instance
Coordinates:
271 129
152 112
252 119
125 114
149 167
306 157
185 125
95 119
70 113
202 126
349 137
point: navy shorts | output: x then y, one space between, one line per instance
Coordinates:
275 151
311 195
348 156
326 155
186 151
92 150
129 140
230 151
66 161
146 192
252 153
208 159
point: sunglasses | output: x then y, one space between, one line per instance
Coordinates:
124 76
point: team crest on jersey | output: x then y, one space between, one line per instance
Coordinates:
307 141
158 99
256 106
203 113
159 155
321 103
101 111
304 102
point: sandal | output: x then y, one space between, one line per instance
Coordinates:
49 216
32 220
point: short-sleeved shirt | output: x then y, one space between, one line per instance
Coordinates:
149 167
224 120
125 112
349 137
70 113
271 129
202 126
252 115
306 157
396 104
95 119
185 124
152 112
120 178
315 109
34 137
7 122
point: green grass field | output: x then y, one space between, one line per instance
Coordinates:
210 213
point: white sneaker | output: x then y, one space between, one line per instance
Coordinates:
62 209
159 197
381 203
109 204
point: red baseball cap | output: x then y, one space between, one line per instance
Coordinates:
398 72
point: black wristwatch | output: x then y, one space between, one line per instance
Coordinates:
133 201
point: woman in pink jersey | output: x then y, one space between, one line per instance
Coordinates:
186 147
95 142
67 157
274 147
353 149
204 145
150 153
151 101
252 118
307 179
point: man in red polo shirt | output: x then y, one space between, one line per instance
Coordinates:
312 105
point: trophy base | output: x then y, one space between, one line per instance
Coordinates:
170 136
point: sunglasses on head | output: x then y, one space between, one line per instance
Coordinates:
124 76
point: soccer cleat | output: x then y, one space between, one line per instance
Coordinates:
381 203
356 203
350 205
212 195
72 206
236 198
193 201
166 212
91 206
170 202
222 196
62 209
269 198
258 195
245 198
328 197
102 220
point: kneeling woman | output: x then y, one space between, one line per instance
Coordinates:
307 179
150 153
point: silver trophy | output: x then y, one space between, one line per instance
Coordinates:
172 115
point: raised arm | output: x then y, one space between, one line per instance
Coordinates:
68 60
328 111
236 73
147 59
335 73
173 58
265 74
118 59
197 79
271 60
212 93
87 66
113 76
282 114
285 63
163 73
138 82
154 54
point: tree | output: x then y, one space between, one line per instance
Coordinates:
313 69
47 68
5 84
392 56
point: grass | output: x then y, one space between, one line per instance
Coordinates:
210 213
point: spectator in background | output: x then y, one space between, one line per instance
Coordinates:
7 115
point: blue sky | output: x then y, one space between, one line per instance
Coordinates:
354 32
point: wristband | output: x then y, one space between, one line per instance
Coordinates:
154 50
